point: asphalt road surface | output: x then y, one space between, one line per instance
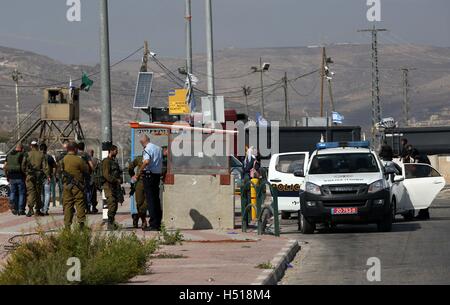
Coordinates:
416 252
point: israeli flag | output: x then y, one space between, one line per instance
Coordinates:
337 117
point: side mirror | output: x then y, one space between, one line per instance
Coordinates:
299 173
398 178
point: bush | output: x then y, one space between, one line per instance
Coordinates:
170 239
105 258
265 265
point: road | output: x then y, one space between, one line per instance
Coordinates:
416 252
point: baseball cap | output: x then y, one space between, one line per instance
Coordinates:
34 142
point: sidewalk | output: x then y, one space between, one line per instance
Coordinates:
205 257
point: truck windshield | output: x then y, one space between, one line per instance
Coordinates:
343 163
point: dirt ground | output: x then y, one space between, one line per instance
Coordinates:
4 205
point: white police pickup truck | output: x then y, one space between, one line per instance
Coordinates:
345 183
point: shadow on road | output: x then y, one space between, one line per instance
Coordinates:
290 227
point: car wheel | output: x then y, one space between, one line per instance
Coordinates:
285 215
394 209
306 227
4 191
409 216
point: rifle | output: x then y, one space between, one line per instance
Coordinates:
71 181
132 189
35 173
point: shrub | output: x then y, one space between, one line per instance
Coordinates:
105 258
168 238
265 265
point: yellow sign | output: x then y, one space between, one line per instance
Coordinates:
177 102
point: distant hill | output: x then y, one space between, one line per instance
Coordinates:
430 83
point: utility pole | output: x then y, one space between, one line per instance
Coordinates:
326 73
144 66
247 91
105 90
16 76
330 91
105 77
262 87
188 18
405 72
287 118
376 106
322 77
210 58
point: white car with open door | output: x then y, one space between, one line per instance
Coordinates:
414 188
281 176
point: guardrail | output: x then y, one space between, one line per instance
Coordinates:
263 212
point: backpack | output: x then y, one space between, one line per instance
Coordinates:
14 161
99 180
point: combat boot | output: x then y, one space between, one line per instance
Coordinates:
144 221
135 220
30 213
112 225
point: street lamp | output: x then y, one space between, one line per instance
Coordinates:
263 67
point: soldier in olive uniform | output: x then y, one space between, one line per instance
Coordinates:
112 175
59 177
73 169
139 192
37 171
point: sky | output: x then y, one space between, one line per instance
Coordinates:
41 26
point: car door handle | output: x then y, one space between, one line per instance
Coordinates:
275 180
438 182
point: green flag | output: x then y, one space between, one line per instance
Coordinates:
86 82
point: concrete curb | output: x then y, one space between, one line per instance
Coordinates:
280 263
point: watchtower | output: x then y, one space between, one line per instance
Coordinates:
58 120
60 116
61 104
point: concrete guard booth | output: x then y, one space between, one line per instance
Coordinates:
197 191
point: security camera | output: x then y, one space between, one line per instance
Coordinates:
152 54
266 66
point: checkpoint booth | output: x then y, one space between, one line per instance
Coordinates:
197 190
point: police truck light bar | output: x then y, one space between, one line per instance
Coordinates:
358 144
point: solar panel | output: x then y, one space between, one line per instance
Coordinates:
143 90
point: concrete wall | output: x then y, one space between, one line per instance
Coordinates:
198 202
442 164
